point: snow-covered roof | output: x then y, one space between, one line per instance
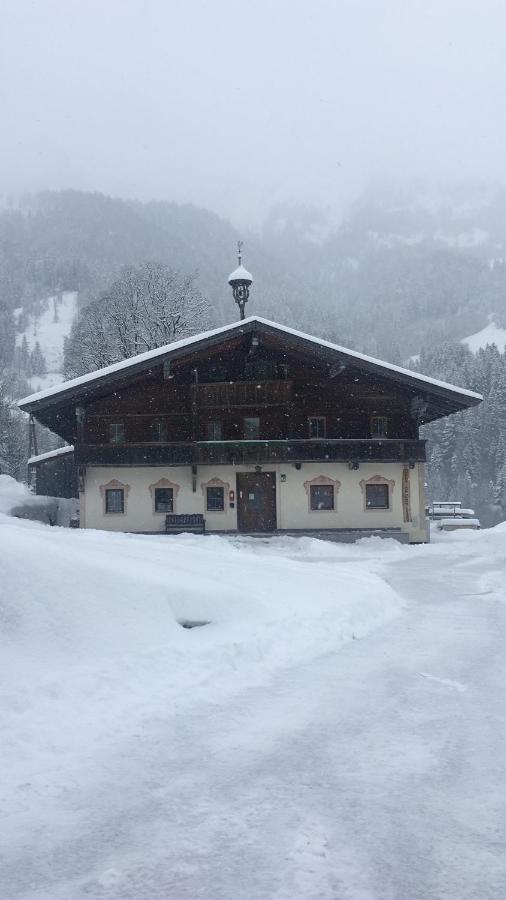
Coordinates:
51 454
240 274
167 349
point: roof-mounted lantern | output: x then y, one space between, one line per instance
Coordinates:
240 280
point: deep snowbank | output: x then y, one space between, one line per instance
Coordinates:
95 598
15 494
91 648
17 500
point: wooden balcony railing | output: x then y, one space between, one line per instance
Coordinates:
244 452
251 452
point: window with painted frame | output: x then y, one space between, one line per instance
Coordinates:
321 497
164 500
377 496
114 500
215 499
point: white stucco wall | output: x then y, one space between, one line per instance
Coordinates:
291 497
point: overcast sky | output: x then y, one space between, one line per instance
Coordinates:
239 105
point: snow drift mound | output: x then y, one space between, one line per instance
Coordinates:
91 634
17 500
13 493
91 598
93 658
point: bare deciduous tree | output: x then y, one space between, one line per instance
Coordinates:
145 308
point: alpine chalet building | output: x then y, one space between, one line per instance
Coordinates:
254 428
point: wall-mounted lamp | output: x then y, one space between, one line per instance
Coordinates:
354 465
298 466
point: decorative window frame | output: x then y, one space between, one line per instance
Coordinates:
377 479
317 481
321 419
216 482
114 485
163 483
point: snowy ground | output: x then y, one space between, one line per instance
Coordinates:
338 730
490 334
50 329
17 500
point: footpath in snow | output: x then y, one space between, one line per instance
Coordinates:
335 731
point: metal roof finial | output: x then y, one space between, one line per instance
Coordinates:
240 281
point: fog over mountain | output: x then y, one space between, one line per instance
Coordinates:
403 269
239 107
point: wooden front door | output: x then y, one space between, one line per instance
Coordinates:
256 501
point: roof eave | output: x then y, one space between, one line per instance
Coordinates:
395 373
459 398
27 404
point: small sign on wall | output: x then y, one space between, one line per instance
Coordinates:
282 478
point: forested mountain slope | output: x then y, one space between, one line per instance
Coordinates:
400 271
467 451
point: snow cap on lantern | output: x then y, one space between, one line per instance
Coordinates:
240 280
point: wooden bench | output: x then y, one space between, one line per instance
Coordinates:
177 524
